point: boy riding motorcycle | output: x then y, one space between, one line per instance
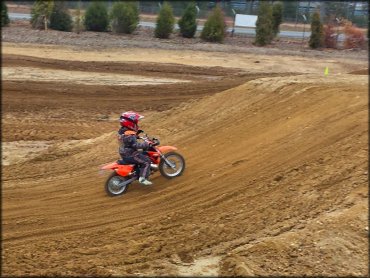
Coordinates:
129 145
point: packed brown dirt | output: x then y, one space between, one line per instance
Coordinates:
276 177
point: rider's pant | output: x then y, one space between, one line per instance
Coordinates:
143 161
144 164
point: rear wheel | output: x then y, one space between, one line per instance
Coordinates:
178 163
113 185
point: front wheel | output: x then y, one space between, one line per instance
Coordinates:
115 185
178 163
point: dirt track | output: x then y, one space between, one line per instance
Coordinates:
276 178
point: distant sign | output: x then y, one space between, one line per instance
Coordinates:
244 20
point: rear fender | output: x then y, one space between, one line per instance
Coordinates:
110 166
164 149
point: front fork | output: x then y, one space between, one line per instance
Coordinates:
169 163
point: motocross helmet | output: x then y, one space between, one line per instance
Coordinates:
130 120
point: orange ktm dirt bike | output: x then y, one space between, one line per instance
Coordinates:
163 158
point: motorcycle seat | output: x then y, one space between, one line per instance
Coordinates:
122 162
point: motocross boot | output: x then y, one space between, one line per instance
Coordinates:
144 181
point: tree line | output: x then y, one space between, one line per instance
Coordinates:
123 17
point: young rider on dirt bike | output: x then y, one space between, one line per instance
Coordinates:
129 145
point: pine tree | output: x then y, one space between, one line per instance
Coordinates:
317 32
40 13
124 17
215 26
165 22
188 23
78 19
277 17
4 14
264 27
60 18
96 17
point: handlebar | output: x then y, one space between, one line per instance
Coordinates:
152 141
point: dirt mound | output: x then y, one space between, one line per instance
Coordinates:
274 168
80 111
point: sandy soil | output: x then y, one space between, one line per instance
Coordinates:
249 62
80 77
277 164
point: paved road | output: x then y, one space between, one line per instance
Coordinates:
238 30
17 16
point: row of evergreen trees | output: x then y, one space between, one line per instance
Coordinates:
54 14
124 18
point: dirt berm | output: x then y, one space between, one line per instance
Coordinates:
276 184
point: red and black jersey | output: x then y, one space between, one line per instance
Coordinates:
130 144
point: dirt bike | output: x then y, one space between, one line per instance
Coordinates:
163 158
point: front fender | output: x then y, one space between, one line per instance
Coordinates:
164 149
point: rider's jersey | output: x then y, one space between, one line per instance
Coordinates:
130 145
120 134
